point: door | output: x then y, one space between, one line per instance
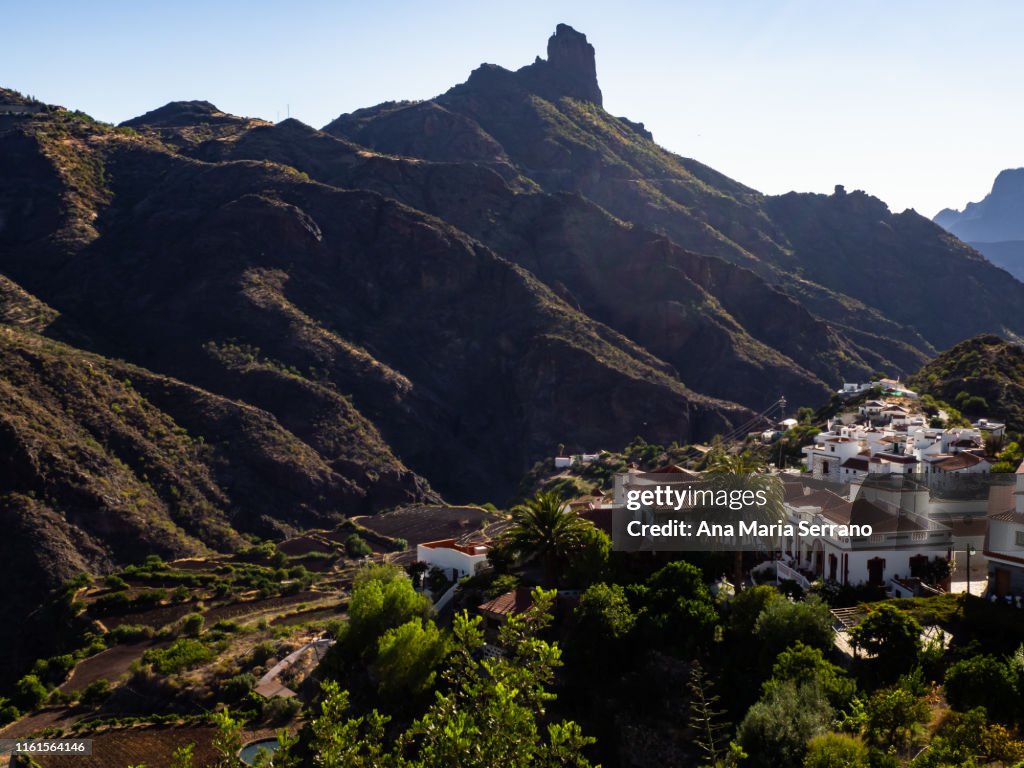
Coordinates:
1002 582
876 571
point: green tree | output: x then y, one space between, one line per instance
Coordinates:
30 693
590 563
542 531
183 756
983 681
227 741
676 609
407 660
8 712
836 750
777 728
894 718
893 638
602 622
383 598
803 664
356 547
784 623
747 606
490 714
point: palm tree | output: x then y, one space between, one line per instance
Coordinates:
742 471
543 531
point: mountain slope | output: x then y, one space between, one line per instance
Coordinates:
984 376
249 280
995 218
561 138
995 225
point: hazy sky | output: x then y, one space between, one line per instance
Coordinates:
918 103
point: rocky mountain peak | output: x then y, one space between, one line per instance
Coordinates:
181 113
994 219
1010 182
571 64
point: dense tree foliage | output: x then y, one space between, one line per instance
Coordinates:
490 713
893 640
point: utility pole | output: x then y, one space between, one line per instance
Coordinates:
970 551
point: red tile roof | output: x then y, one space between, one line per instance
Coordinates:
962 460
516 601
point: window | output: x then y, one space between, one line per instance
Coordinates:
1020 538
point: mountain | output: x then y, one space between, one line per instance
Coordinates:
844 259
994 226
984 376
214 326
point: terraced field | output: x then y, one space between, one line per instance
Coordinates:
151 746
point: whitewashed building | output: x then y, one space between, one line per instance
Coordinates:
902 542
1004 545
454 559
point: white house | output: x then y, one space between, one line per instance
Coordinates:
454 559
995 428
1004 545
902 541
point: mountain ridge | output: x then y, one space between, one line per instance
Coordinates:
416 303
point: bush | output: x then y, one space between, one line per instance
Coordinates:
356 547
53 671
238 687
982 681
747 607
802 664
96 692
894 718
279 710
115 583
836 750
893 638
30 693
776 729
263 653
185 653
782 624
8 712
129 633
192 625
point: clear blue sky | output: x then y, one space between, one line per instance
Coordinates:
918 103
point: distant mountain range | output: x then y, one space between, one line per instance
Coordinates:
995 226
214 325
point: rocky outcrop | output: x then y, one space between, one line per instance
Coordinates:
997 218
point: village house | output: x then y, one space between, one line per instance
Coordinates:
895 441
1004 544
904 539
451 558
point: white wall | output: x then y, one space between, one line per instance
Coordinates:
449 560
